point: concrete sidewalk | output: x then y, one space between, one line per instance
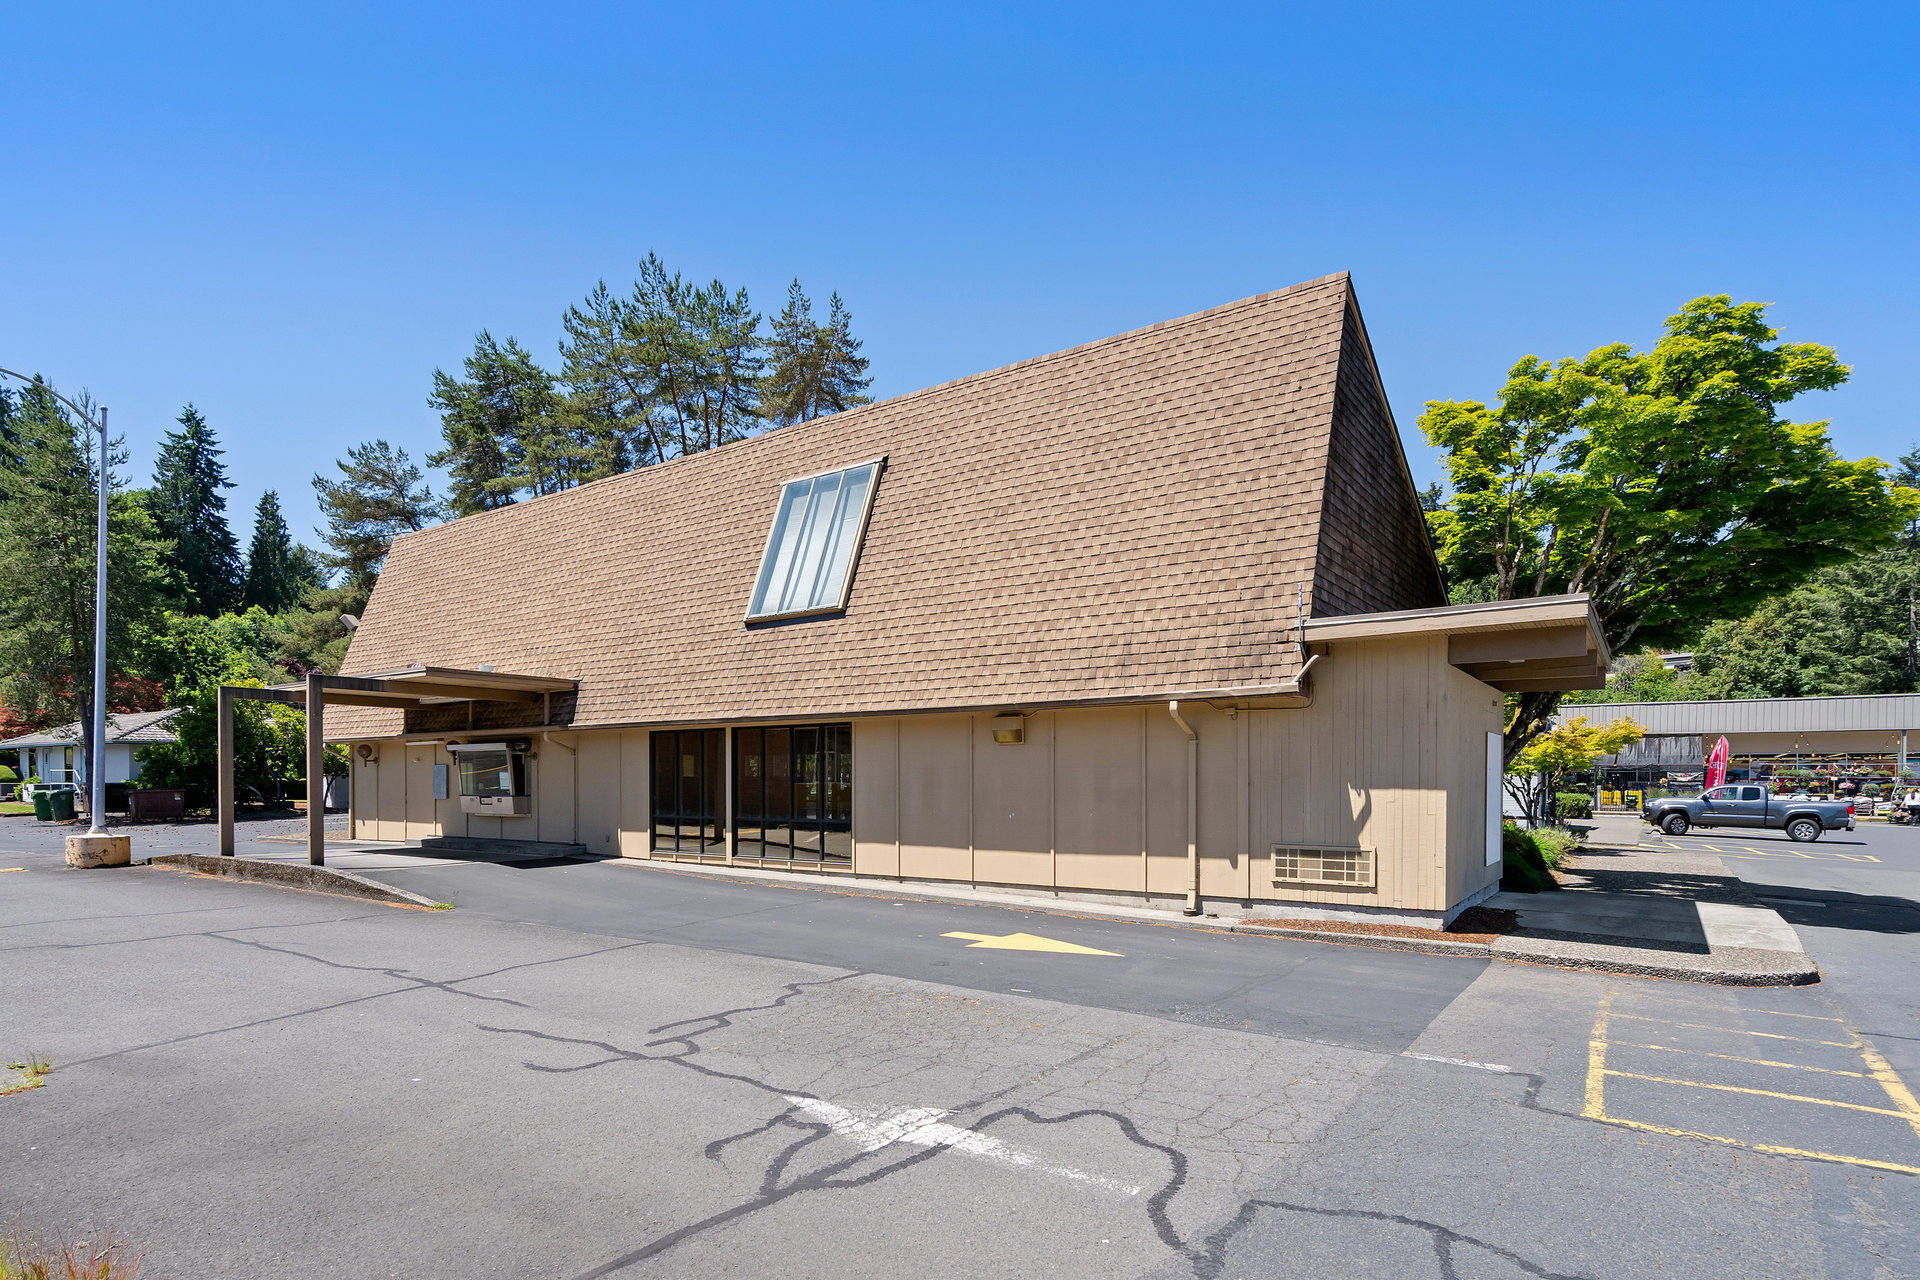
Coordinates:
1624 908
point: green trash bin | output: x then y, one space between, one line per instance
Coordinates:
43 805
60 803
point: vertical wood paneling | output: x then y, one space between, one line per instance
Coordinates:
599 765
1012 821
936 764
392 764
1098 816
636 782
876 793
421 819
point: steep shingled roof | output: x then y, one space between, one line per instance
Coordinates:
1123 518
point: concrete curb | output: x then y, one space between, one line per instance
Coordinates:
294 876
1385 942
1609 957
1787 974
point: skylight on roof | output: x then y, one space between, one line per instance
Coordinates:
808 564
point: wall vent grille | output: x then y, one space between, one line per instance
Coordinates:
1345 867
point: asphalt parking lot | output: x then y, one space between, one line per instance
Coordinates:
589 1070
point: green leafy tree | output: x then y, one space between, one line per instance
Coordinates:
48 519
190 652
1566 748
279 572
190 511
816 369
1664 483
378 497
269 747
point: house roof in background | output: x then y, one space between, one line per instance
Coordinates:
1138 514
136 727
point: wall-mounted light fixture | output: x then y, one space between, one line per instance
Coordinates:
365 750
1010 730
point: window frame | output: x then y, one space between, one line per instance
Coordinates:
879 465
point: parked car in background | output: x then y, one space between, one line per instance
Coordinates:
1749 804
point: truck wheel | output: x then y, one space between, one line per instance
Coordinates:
1674 824
1803 830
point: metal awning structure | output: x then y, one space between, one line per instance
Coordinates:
404 689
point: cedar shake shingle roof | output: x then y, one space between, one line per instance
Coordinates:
1121 519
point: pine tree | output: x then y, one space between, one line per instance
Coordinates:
501 431
278 572
379 497
190 511
817 368
48 510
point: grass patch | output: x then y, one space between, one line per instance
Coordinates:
33 1070
25 1256
443 906
15 808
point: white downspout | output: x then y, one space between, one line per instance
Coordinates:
1193 809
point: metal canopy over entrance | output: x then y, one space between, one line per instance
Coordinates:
409 687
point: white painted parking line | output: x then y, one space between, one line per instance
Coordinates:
926 1127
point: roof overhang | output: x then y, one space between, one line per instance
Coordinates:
1545 644
421 686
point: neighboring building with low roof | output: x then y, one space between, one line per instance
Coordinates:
55 755
1155 619
1860 736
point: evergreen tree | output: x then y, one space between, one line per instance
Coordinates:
190 511
378 498
669 371
278 572
817 368
48 513
501 429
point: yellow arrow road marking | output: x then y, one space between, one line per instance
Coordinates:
1027 942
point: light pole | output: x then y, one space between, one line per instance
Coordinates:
97 759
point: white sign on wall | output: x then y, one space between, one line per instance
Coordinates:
1493 798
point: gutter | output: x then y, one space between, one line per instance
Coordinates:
1193 808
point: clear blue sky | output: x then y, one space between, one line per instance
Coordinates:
291 215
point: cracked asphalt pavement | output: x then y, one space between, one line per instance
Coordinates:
594 1070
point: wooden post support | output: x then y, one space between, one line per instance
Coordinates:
224 786
316 769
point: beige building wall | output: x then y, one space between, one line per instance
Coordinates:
1389 756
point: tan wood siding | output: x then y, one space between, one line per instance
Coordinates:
1099 819
876 797
1012 804
936 786
636 794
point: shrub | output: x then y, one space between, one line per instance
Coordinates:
1524 865
1573 804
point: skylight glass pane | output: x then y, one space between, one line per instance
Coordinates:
786 539
845 531
816 532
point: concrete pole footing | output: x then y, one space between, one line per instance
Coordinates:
99 851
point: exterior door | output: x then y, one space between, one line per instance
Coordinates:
1749 808
1719 806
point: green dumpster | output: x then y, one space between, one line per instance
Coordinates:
60 803
43 805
